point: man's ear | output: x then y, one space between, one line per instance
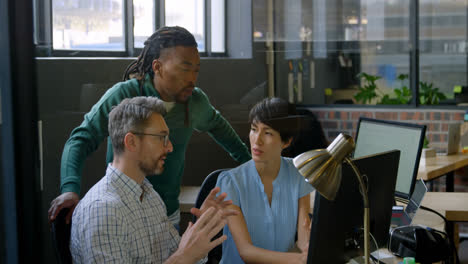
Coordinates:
131 142
157 67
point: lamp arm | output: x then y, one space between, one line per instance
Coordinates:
365 200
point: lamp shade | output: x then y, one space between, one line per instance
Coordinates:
322 168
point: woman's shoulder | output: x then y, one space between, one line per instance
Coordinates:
290 168
236 174
288 163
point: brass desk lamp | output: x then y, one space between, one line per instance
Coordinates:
321 169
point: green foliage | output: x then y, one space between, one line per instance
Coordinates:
403 95
403 77
369 90
429 95
426 143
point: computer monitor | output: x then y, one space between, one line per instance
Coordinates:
337 225
375 136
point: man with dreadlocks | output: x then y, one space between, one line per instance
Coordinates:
167 68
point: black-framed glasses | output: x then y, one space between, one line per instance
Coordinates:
164 138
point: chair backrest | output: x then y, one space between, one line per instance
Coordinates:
214 256
311 135
61 237
208 184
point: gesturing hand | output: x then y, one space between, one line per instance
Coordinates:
216 202
196 241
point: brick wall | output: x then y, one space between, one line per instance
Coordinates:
344 120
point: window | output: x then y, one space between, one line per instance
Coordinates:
443 34
101 27
88 25
218 26
191 17
144 16
405 48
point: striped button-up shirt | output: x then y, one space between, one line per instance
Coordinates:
112 225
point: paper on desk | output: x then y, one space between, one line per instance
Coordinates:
382 254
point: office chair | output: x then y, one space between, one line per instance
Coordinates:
311 135
214 256
61 237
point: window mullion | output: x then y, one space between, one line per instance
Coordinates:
129 21
414 51
43 27
208 27
225 29
160 14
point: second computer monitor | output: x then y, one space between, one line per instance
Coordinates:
375 136
337 226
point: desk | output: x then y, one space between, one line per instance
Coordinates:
187 197
432 168
422 217
454 206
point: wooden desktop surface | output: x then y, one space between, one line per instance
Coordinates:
187 197
432 168
453 204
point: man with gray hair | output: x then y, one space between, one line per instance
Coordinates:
122 219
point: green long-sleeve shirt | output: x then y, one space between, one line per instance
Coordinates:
202 116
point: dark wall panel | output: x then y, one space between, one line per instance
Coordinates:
2 215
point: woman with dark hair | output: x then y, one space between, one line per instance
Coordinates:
271 197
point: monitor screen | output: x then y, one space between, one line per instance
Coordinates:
336 232
375 136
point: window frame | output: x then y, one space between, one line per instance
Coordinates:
414 54
43 34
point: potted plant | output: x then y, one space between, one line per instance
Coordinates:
427 152
429 95
370 92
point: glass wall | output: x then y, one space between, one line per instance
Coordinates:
88 25
144 21
192 17
218 26
96 28
359 51
442 44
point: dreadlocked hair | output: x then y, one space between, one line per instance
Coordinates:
163 38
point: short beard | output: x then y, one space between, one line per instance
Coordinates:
150 170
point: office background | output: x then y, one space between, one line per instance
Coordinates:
270 48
